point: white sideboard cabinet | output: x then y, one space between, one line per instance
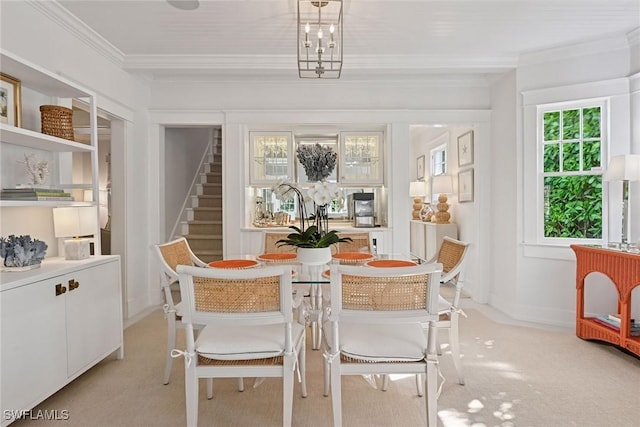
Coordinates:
426 237
57 321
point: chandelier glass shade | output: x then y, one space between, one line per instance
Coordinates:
319 39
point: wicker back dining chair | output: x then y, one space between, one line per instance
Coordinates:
170 255
375 327
452 256
360 242
270 240
249 329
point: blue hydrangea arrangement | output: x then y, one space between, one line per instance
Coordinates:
21 251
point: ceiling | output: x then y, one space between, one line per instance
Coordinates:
258 37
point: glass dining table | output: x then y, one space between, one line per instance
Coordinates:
309 280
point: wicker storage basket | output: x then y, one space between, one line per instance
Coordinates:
57 121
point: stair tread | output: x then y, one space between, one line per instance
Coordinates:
207 208
204 221
203 236
209 196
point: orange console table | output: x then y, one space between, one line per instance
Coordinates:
623 269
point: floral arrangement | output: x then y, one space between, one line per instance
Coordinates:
318 160
21 251
311 238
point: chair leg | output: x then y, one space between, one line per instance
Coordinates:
454 341
336 392
287 392
431 399
209 388
191 390
420 385
385 382
171 344
327 380
240 384
302 364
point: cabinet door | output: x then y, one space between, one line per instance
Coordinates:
417 239
271 157
34 354
94 319
361 158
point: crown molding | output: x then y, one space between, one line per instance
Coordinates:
266 65
65 19
584 48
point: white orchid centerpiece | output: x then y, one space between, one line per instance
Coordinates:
323 192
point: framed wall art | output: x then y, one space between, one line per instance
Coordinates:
465 149
420 167
10 110
465 186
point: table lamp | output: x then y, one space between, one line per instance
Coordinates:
417 190
75 221
624 168
442 185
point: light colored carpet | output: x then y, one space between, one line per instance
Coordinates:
515 376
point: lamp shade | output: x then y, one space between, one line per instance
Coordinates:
417 188
75 221
623 168
442 184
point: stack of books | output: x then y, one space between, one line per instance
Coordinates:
613 321
32 193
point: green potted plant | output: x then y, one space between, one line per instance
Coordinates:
313 248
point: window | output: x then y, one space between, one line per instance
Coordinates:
439 160
571 140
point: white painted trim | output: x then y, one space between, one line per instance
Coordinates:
585 48
285 62
66 20
563 94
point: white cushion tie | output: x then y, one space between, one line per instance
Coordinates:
188 357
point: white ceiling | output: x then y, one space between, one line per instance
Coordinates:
380 37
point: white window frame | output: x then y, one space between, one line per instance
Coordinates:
616 93
441 148
604 120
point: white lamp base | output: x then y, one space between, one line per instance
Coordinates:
75 249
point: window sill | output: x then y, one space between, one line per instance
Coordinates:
560 252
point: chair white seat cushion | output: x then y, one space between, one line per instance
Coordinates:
381 343
244 342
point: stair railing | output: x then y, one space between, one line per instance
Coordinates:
192 190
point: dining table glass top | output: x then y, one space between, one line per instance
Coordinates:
314 274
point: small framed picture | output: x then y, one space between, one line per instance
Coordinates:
465 149
10 111
465 185
420 167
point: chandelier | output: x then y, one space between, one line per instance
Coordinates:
319 39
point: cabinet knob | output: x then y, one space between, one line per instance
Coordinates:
60 289
73 284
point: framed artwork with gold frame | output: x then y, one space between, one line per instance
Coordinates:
10 110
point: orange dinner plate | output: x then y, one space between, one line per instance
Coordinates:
352 257
234 263
277 257
326 274
383 263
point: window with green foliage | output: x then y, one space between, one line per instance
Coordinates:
571 142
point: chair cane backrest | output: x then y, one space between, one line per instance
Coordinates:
174 253
270 240
255 296
401 292
452 256
360 242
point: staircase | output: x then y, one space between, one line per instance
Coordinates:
203 228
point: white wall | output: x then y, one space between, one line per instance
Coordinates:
505 198
39 33
545 276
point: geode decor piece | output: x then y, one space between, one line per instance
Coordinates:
21 253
